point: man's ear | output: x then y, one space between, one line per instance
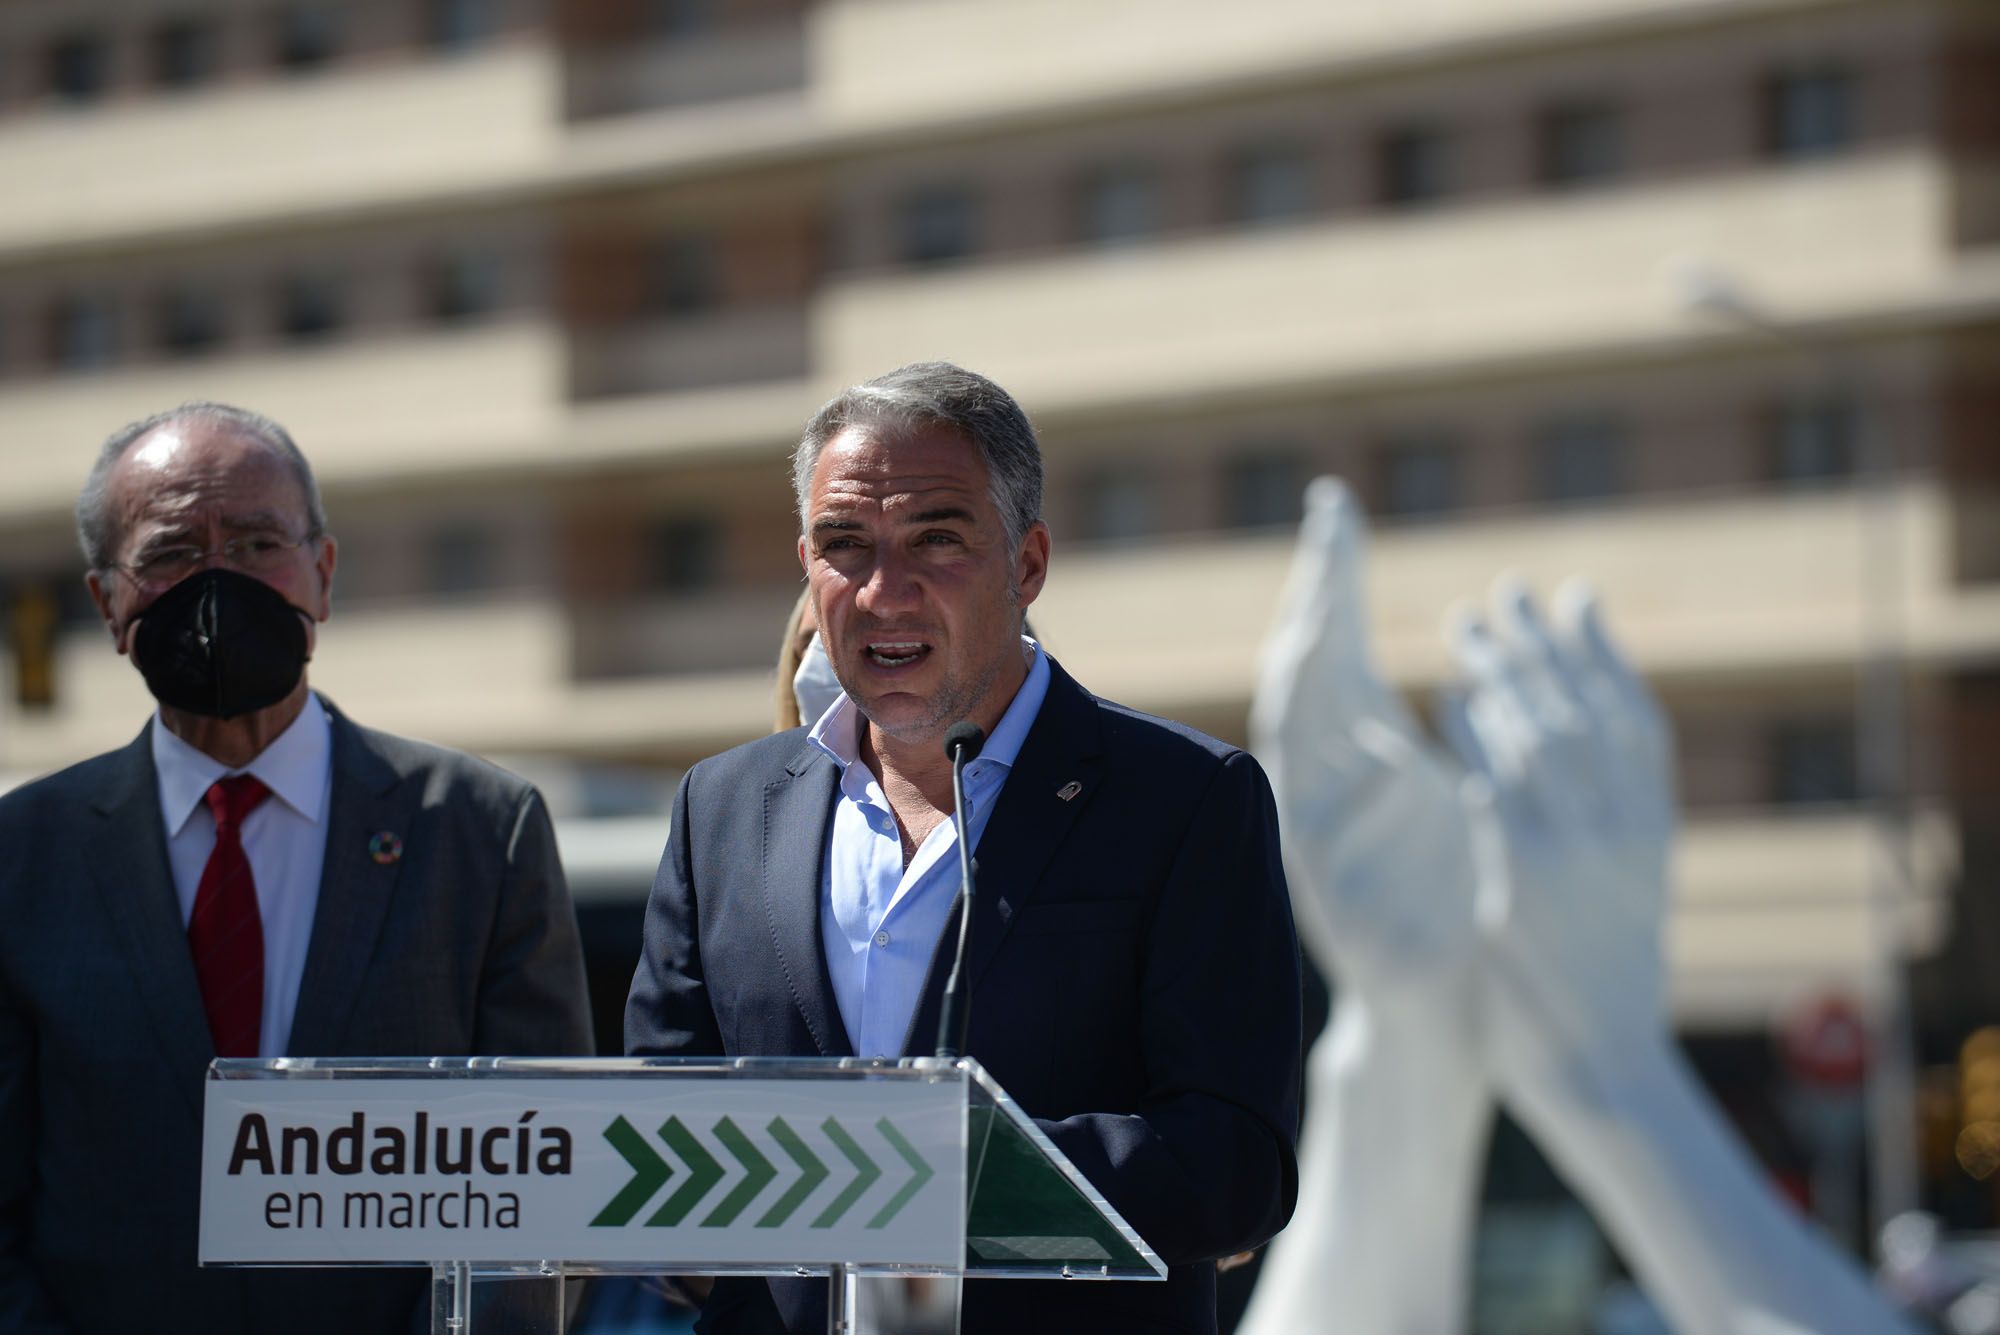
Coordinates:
100 597
1031 564
323 563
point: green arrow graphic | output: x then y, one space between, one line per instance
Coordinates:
703 1173
649 1170
757 1176
865 1174
923 1173
812 1172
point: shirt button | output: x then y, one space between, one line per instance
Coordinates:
881 938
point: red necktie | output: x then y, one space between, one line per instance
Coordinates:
225 932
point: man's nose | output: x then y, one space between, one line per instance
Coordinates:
891 585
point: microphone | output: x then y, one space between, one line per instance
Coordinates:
964 737
962 741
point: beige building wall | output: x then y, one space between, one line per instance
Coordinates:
564 509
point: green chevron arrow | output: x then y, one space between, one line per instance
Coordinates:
923 1173
649 1170
865 1171
703 1173
757 1175
812 1172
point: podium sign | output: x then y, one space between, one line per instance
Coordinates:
765 1173
505 1175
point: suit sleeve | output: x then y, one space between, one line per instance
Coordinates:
24 1307
533 1001
668 1012
1206 1165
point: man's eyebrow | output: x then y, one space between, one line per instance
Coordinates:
938 516
260 519
828 523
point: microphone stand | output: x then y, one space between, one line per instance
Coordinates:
962 744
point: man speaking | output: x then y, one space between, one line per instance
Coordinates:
1133 968
254 875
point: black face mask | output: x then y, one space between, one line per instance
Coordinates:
220 644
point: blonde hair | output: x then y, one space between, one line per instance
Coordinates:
790 651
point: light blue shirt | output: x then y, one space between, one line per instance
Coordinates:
879 922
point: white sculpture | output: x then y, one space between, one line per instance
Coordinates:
1495 926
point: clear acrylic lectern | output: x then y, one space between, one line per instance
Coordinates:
506 1175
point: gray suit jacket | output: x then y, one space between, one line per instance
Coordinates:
466 944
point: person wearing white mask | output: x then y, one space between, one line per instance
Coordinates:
802 662
814 687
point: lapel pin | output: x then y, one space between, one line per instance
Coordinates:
385 848
1069 790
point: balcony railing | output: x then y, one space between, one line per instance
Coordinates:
747 345
751 61
1527 284
407 404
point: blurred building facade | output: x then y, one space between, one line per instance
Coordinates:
1698 298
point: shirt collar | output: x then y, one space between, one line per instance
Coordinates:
297 767
838 732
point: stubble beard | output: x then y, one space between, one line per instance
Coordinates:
956 697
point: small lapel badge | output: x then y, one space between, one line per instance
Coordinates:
385 848
1069 790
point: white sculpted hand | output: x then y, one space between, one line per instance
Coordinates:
1574 828
1380 862
1376 844
1573 814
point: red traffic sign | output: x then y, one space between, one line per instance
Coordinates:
1826 1042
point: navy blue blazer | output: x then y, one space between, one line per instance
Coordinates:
1135 980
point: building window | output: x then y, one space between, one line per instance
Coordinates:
686 554
311 306
1814 440
308 36
1414 166
686 274
461 558
1581 459
1262 488
79 67
1119 505
936 224
464 284
1811 113
1417 476
185 54
191 321
1120 205
83 333
1582 144
1815 763
683 18
456 25
1270 183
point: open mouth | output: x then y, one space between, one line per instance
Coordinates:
897 653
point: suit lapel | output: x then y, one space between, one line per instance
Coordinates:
368 798
796 810
1028 826
129 869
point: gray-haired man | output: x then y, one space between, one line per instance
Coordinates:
252 875
1134 970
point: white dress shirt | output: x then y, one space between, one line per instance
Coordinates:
879 920
284 839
